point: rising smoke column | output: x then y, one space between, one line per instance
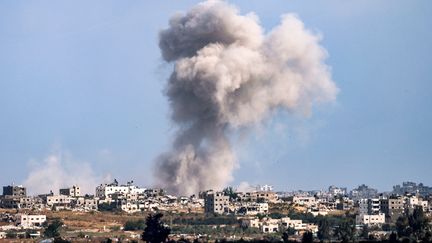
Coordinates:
228 75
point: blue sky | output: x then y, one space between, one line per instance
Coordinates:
87 78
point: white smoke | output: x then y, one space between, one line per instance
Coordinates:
60 170
244 186
229 75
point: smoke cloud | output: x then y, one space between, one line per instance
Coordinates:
60 170
228 75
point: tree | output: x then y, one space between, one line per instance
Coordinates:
393 238
324 230
287 233
11 234
307 237
229 191
345 231
53 229
402 226
419 223
155 231
413 225
107 207
365 232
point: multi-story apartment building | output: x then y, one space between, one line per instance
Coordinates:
15 191
393 207
412 188
107 190
304 201
73 191
216 202
59 200
253 208
368 219
263 196
363 191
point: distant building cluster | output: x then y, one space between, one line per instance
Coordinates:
252 208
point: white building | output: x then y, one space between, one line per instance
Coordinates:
269 225
216 202
363 206
304 201
286 222
107 190
130 207
414 201
87 204
73 191
334 191
253 208
31 220
367 219
59 200
264 188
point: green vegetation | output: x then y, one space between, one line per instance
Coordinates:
307 237
288 232
133 225
11 235
209 220
107 207
53 230
346 231
155 231
229 191
324 229
414 226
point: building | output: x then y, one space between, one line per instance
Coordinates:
264 188
86 204
15 191
253 208
73 191
363 191
30 203
367 219
393 207
413 202
129 207
9 202
412 188
258 196
269 225
369 206
107 190
337 191
59 201
304 201
216 202
28 221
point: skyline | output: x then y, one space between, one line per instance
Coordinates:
85 80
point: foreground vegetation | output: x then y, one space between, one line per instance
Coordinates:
66 226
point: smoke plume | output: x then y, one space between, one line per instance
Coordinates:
228 75
60 170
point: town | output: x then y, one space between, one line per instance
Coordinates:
117 212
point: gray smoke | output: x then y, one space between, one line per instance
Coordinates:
229 75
